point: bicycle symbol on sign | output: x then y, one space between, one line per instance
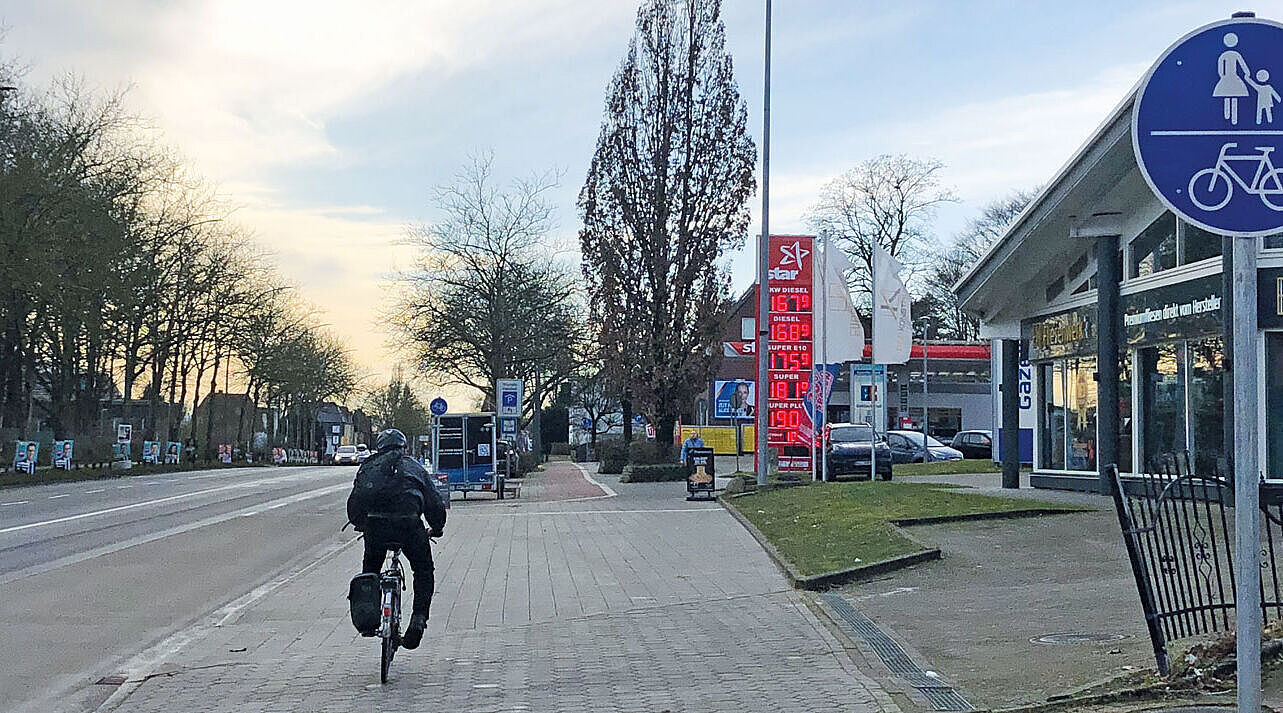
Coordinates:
1212 188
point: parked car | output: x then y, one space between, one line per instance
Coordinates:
346 455
906 447
850 445
973 444
362 452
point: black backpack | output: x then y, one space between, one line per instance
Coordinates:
379 488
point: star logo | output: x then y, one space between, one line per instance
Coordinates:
793 254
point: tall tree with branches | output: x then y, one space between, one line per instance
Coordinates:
486 299
666 195
889 201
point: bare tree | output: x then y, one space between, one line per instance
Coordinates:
950 265
666 195
887 200
487 300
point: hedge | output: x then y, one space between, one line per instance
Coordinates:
658 473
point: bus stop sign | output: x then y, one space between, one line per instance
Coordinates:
1207 127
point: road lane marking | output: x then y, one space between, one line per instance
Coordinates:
122 487
91 492
64 495
589 512
137 669
145 503
176 530
15 502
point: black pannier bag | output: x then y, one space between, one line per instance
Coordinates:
365 598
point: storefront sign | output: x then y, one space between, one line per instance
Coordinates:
1063 334
738 349
1181 311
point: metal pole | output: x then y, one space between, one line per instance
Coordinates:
1010 444
926 452
822 406
1247 514
763 267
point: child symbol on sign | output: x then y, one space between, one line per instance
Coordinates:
1265 96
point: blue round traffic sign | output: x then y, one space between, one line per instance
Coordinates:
438 406
1207 127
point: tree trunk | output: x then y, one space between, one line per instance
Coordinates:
664 431
627 405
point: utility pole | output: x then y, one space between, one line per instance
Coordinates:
763 267
926 452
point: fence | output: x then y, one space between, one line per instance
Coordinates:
1178 529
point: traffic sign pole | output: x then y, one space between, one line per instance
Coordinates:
1208 157
1247 512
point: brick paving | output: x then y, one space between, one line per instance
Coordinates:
640 602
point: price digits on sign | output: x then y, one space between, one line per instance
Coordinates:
799 302
781 390
791 361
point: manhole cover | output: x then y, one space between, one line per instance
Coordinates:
110 681
1076 637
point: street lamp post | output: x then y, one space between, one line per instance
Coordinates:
926 452
763 268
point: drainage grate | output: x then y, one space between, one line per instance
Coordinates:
939 694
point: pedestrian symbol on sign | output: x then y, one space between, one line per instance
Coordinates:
1213 167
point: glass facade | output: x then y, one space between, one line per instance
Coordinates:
1154 250
1273 405
1198 244
1179 406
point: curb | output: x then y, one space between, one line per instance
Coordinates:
824 580
971 517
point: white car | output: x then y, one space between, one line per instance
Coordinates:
346 455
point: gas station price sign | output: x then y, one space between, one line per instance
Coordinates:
789 360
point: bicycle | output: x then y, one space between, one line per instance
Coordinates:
391 584
1267 181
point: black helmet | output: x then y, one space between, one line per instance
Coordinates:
391 438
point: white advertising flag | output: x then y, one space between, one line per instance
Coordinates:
892 322
843 338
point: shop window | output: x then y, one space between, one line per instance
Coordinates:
1080 413
1154 250
1125 414
1272 242
1051 441
1274 404
1162 402
1198 244
1207 404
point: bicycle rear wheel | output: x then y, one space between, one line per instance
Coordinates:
386 660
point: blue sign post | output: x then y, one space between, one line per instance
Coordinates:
438 406
1207 139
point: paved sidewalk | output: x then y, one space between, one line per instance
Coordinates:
639 602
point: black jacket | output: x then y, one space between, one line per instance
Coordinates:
420 496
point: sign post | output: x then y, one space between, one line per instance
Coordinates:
1203 129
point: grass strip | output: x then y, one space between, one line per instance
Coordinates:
949 467
833 526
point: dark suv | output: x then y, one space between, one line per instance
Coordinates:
849 449
974 444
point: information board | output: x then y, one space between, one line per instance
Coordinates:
790 321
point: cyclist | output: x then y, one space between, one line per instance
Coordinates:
396 518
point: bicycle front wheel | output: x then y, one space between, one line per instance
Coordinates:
1210 189
386 660
1272 189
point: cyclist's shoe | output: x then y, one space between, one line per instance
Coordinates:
414 634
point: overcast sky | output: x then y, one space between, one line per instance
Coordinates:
327 122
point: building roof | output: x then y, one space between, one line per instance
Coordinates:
1101 176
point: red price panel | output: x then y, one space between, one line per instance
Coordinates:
789 358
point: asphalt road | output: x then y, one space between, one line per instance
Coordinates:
97 575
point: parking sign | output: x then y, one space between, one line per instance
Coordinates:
509 396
